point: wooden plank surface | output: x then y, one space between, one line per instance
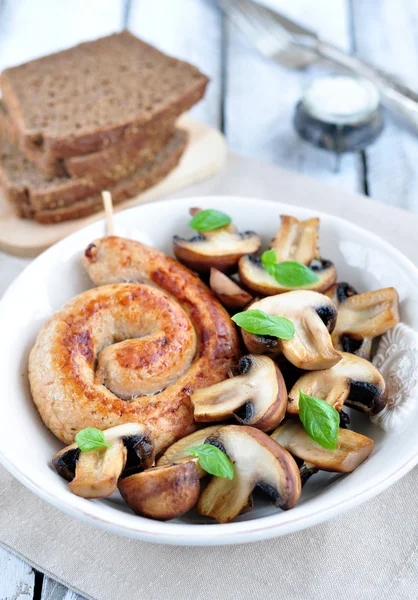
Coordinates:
386 34
30 29
17 579
52 590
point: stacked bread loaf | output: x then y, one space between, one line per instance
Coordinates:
101 115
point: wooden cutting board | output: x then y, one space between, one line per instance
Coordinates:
204 155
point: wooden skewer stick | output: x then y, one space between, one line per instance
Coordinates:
108 208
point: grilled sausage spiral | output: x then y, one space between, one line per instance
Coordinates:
131 352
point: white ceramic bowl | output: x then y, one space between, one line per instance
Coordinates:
26 446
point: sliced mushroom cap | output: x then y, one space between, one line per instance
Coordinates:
295 241
257 396
352 448
228 291
313 316
258 461
255 277
95 474
220 248
162 493
177 452
353 381
362 317
65 461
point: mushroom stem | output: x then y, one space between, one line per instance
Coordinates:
97 472
296 240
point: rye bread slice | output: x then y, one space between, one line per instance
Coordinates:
96 94
105 166
7 129
144 178
51 167
120 160
24 183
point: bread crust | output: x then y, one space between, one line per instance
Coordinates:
63 381
22 180
143 179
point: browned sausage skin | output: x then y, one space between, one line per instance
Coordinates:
103 358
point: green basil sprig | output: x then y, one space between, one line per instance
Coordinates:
208 220
90 439
260 323
288 273
269 259
213 461
320 420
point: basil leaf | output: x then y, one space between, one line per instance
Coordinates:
90 439
320 420
293 274
213 461
207 220
269 258
260 323
288 273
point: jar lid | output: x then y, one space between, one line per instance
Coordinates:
341 99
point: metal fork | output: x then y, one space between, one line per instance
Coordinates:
259 24
287 42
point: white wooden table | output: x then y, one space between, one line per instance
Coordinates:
250 99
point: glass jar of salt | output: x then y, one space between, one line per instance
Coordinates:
339 113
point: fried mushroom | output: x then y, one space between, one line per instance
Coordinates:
220 248
228 291
362 317
351 451
178 452
313 316
353 381
295 241
95 474
258 461
258 280
162 493
256 396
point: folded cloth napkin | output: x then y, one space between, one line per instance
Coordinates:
367 554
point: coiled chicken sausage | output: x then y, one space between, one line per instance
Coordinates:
133 349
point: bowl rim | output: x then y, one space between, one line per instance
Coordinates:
257 529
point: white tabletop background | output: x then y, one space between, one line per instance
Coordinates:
250 99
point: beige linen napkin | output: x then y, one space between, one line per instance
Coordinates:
368 554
